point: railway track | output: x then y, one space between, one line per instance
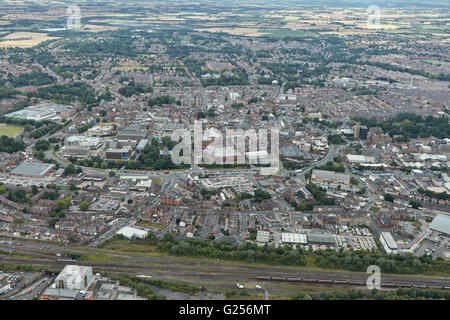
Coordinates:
353 282
183 268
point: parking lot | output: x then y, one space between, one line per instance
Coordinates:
104 204
24 182
440 248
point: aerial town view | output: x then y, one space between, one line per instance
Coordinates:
224 150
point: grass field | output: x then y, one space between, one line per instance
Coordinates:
9 131
156 181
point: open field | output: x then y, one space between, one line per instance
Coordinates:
24 39
156 181
9 131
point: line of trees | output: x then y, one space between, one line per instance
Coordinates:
397 263
352 294
249 252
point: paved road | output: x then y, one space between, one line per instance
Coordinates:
34 290
329 157
110 233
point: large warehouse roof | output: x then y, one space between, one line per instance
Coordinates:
131 232
32 169
317 238
441 223
293 238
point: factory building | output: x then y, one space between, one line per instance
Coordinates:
33 169
297 238
322 239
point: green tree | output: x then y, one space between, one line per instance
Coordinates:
61 205
84 206
34 189
70 169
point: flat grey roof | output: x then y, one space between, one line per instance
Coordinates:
321 238
67 293
32 169
441 223
290 151
389 240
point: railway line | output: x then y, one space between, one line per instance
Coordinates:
208 271
353 282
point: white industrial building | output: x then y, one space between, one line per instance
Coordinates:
74 278
388 242
130 232
299 238
356 158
